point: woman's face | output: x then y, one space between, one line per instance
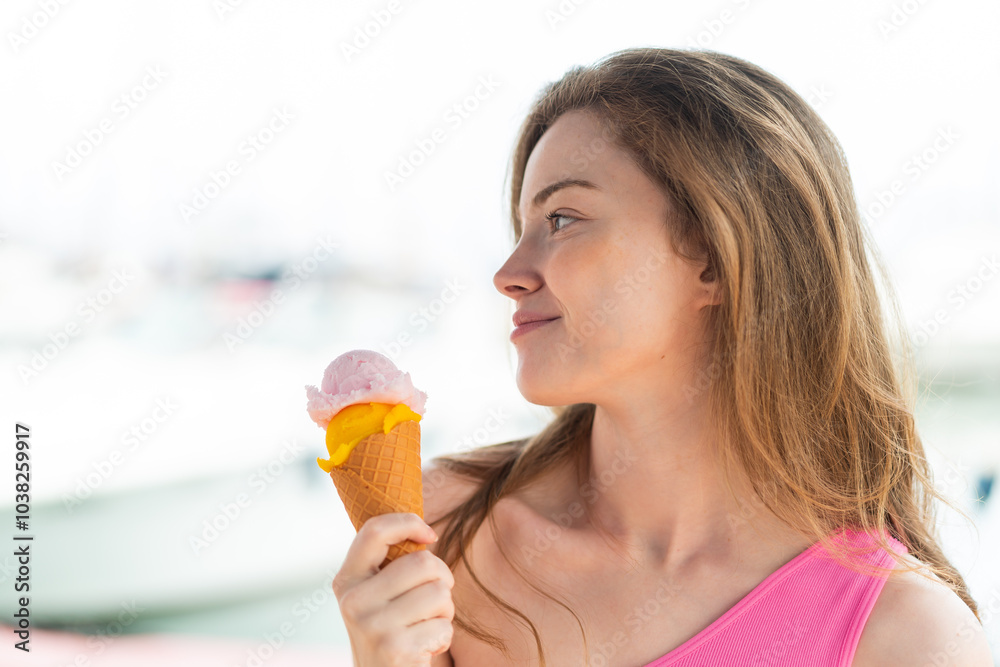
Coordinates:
624 309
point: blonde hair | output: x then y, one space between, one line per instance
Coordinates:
812 403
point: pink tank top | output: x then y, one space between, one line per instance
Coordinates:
811 611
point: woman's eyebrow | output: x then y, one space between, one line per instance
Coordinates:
549 190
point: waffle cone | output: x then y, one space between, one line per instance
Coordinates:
382 475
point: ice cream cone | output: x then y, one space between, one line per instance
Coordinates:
382 475
370 411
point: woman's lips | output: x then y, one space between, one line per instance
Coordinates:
529 326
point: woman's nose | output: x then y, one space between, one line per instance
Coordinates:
519 274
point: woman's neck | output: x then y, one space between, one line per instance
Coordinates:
657 486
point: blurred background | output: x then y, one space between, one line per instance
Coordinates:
203 202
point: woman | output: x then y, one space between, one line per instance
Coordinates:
733 476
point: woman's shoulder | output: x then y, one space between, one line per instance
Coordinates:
450 480
917 619
444 490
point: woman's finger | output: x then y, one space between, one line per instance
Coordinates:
426 601
423 639
371 545
407 572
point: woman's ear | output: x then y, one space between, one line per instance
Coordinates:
710 284
708 273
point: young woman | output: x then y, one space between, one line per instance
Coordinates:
733 476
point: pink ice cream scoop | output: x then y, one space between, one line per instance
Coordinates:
361 376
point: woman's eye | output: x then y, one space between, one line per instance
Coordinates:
554 217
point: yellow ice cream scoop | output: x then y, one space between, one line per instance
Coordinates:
355 423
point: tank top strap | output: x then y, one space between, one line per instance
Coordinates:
808 613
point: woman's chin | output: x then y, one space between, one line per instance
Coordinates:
541 387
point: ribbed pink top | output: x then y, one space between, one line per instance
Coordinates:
809 612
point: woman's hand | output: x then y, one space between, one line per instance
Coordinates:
399 616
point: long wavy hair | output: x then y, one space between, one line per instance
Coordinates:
811 381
